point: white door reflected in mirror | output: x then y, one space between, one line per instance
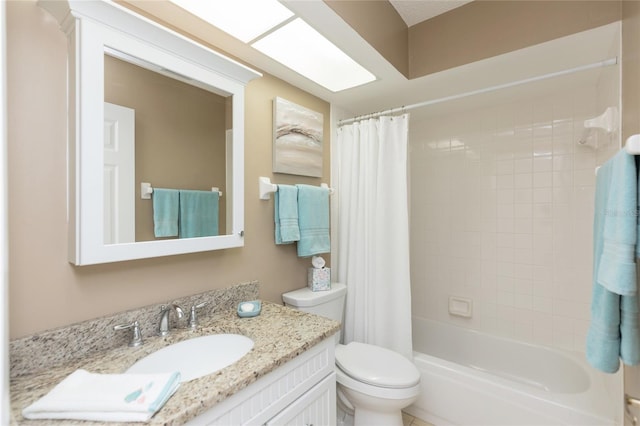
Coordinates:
119 174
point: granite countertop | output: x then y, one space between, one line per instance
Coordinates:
279 334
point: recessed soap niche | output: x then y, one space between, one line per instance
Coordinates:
460 306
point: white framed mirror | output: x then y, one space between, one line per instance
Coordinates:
107 42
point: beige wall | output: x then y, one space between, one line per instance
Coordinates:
475 31
482 29
45 290
381 25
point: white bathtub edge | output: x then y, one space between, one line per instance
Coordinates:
457 395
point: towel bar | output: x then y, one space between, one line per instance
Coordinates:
266 188
146 190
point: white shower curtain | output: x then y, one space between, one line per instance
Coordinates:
373 232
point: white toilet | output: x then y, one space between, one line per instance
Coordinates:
374 383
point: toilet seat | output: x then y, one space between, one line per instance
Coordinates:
376 366
375 391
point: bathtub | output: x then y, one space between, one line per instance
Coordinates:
471 378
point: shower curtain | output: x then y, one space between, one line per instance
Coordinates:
373 232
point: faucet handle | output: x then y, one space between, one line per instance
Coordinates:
136 339
193 319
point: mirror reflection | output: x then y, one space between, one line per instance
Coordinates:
164 131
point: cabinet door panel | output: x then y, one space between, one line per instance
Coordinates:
317 407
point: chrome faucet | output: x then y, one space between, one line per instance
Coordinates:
163 328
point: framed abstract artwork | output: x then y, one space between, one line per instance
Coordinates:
297 139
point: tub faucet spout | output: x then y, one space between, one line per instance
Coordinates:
163 327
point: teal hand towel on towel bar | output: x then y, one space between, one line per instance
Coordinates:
165 212
613 333
313 219
105 397
198 213
285 213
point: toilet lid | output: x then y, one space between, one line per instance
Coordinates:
376 366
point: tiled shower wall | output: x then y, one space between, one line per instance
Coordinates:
502 210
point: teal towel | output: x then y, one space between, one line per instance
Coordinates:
198 213
613 332
165 212
629 330
617 263
313 219
286 214
603 337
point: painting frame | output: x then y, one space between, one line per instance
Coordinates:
297 139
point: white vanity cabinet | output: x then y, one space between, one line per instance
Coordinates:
300 392
317 407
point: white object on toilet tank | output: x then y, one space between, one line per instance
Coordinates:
460 306
328 303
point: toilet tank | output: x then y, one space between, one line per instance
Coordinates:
327 303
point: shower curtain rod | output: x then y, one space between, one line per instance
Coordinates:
604 63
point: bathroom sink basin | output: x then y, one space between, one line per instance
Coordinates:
196 357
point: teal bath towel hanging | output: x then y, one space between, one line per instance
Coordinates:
313 219
614 333
199 211
165 212
285 205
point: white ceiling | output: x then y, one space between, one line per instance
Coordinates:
392 89
416 11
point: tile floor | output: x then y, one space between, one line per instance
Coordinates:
409 420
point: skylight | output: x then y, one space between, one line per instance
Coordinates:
275 31
306 51
243 19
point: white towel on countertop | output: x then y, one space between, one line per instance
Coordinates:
105 397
